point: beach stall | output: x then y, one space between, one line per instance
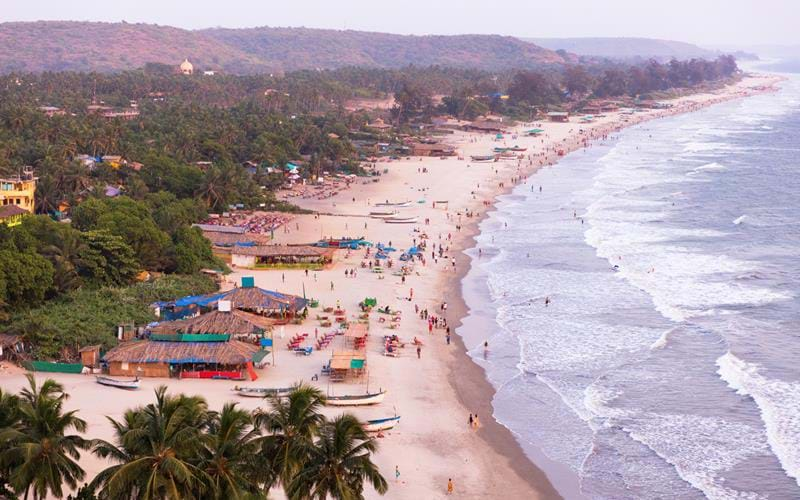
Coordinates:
355 336
345 365
558 116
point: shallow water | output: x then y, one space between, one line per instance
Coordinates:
666 364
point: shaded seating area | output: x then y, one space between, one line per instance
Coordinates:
346 365
184 359
355 336
245 298
232 323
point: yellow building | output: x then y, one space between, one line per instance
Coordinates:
19 191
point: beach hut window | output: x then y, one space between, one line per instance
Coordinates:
124 365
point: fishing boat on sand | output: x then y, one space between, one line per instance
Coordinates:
482 157
381 424
518 149
400 220
353 400
387 203
378 214
262 392
119 384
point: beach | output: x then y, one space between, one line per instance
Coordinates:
436 390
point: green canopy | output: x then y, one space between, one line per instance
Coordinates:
356 363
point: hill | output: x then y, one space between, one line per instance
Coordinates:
110 47
626 48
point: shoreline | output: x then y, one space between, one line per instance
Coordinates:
469 379
433 392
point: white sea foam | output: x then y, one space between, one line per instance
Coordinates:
779 403
709 167
740 219
700 448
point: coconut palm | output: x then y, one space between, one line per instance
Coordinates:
339 464
291 425
227 458
9 418
39 454
157 448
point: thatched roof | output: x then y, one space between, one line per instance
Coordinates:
231 239
281 251
219 322
249 298
148 351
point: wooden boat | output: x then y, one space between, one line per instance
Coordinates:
401 204
262 392
518 149
401 220
119 384
482 157
381 424
383 215
352 400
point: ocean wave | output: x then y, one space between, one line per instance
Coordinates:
779 403
699 448
708 167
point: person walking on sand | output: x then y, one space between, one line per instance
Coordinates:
471 421
419 352
396 474
450 486
447 337
476 421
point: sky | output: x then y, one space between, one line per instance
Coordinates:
705 22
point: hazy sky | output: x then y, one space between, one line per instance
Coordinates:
707 22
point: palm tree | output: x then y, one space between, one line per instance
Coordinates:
228 457
157 449
39 453
9 419
339 464
291 424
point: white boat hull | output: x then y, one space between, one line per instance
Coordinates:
119 384
367 399
381 425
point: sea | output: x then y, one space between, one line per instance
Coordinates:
666 362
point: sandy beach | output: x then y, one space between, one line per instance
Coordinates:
436 391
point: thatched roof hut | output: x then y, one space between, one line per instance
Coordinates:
248 298
231 353
216 322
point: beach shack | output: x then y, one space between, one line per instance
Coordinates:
345 365
558 116
355 336
423 149
90 355
205 346
246 297
280 255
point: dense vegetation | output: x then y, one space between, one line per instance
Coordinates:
178 448
202 144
